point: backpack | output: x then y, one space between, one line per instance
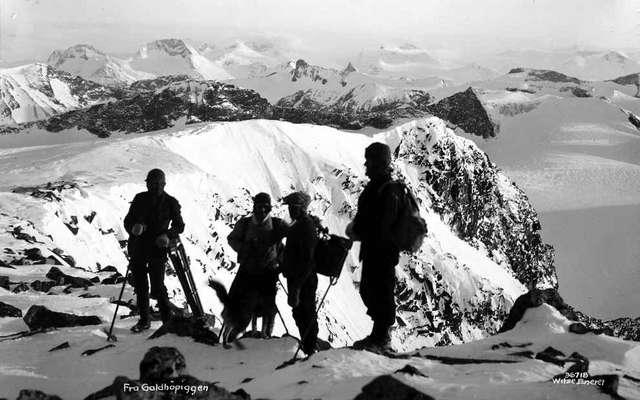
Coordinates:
331 252
410 229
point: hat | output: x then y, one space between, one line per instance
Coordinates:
378 152
297 198
155 173
262 198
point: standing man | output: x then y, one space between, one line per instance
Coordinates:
153 221
257 239
377 211
299 269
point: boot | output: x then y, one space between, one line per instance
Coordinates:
142 325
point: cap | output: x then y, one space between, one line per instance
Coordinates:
297 198
155 173
262 198
379 152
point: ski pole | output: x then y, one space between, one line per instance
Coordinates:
113 321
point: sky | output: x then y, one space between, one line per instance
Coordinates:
31 29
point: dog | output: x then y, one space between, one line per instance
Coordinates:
230 325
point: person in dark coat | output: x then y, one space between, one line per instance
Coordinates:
257 239
153 221
299 269
377 211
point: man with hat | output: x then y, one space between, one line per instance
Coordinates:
378 207
153 221
299 269
257 239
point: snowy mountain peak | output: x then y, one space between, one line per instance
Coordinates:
349 69
170 47
81 51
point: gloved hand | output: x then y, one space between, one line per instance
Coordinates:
294 298
137 229
162 241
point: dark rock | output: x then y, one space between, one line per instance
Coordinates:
113 279
581 363
61 278
34 254
410 370
466 361
5 265
29 394
7 310
609 384
89 218
635 121
95 279
89 296
161 364
535 298
40 317
42 286
466 111
109 268
551 355
22 287
625 328
246 380
58 251
526 353
4 282
579 328
242 394
62 346
191 327
386 387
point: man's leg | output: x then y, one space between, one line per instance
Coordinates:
157 267
139 273
305 314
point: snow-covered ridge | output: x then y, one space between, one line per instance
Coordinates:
452 291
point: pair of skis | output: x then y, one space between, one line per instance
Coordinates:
180 261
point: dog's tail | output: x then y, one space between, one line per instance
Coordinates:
220 290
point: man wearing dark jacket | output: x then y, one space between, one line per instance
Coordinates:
257 239
153 221
377 211
299 269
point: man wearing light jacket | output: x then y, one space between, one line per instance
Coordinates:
153 221
300 270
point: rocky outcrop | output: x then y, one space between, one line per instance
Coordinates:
31 394
7 310
61 278
465 110
386 387
480 203
39 317
162 375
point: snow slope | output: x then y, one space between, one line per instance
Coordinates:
335 374
37 91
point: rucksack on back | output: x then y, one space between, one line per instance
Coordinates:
331 252
410 229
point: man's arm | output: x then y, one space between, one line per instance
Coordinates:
236 237
177 223
133 215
